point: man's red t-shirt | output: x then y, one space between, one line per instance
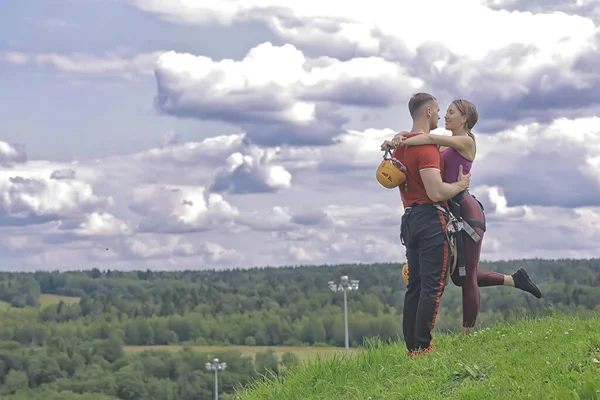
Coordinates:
416 159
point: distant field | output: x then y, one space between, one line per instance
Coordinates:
47 299
303 353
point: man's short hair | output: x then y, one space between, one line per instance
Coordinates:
417 101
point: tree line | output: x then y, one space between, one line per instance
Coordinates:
267 306
289 306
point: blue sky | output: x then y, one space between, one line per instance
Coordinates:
63 122
263 146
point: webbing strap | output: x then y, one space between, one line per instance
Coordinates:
465 224
454 250
470 231
452 229
475 223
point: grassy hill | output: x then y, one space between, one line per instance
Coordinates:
556 357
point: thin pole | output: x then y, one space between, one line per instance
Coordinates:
216 384
346 321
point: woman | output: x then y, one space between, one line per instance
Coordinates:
460 149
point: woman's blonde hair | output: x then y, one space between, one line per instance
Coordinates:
469 110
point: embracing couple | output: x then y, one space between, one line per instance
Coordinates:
443 224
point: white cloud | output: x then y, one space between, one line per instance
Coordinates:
297 183
30 199
276 94
535 231
14 57
11 154
180 209
112 63
276 219
543 67
335 212
97 224
63 174
547 165
53 218
210 150
166 246
371 29
584 8
252 173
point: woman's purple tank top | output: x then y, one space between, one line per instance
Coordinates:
452 159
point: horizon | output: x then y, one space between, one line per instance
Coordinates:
399 263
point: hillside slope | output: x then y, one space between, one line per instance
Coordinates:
556 357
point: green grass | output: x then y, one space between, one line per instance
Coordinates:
304 353
4 305
555 357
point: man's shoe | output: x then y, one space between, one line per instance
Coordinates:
422 352
524 282
429 348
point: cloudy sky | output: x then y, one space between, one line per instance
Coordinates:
171 134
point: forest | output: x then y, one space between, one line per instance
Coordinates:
77 349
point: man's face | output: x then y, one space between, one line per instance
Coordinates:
434 115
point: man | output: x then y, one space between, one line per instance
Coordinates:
423 228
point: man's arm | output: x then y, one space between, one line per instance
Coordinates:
430 170
437 190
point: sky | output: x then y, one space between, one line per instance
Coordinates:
196 134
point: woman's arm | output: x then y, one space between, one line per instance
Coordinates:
463 144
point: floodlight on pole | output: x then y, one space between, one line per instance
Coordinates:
344 286
216 366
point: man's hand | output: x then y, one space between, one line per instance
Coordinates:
386 144
463 180
438 190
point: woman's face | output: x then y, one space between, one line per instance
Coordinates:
454 120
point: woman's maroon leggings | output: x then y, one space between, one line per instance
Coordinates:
475 277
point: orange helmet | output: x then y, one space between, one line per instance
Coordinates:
391 173
405 273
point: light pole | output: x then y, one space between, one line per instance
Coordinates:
216 366
344 286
